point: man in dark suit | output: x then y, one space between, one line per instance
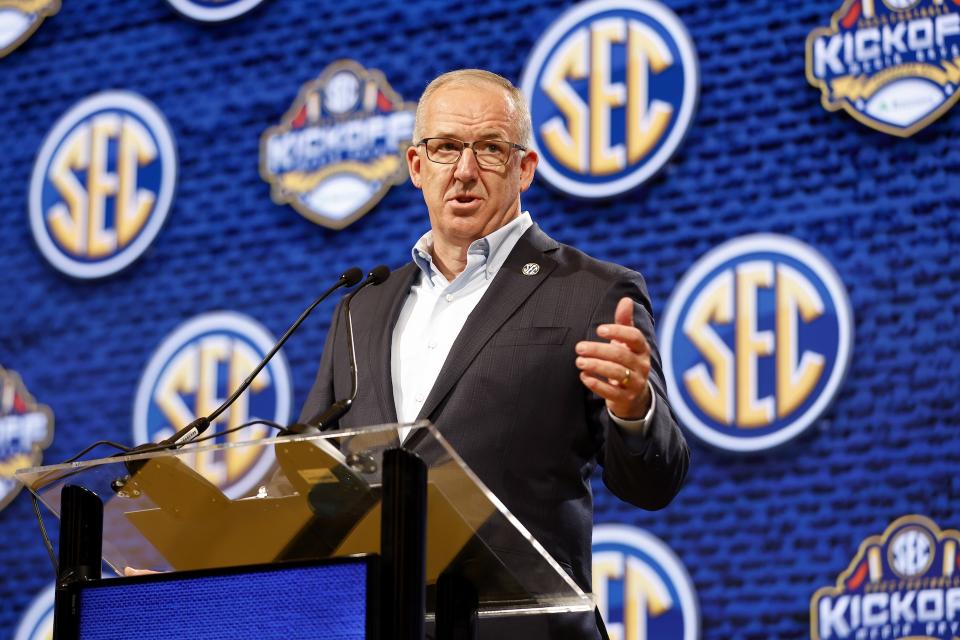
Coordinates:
491 333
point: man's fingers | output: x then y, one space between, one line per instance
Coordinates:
629 336
606 390
617 370
626 403
624 313
622 352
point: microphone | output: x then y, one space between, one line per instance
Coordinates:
326 420
349 278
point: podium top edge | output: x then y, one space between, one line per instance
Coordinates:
212 445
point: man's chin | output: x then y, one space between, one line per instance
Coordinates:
463 228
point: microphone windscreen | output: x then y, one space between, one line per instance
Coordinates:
351 276
379 274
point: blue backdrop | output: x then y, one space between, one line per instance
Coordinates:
758 533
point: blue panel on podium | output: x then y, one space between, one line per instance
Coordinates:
330 599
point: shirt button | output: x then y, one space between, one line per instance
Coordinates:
418 397
432 344
449 297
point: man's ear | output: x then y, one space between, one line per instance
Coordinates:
413 165
528 166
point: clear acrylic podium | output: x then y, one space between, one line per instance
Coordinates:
325 498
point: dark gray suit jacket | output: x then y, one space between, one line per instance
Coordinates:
509 399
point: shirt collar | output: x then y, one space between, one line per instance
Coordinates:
494 247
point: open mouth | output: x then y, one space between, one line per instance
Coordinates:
466 199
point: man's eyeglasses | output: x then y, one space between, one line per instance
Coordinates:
491 153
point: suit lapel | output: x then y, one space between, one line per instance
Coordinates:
384 317
506 293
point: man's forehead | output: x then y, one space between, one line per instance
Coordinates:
480 105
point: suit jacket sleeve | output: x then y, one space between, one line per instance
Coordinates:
645 469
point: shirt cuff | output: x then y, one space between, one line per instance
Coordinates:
638 425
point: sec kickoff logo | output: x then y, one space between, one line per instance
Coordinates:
20 18
641 588
902 585
37 621
756 340
195 368
612 86
26 429
213 10
339 148
894 65
102 184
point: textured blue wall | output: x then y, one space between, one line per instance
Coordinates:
758 533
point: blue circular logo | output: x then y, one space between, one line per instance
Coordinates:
756 340
213 10
195 368
37 620
102 184
612 87
641 588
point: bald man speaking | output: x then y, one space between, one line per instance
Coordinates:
535 361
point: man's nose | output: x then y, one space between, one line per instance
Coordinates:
467 167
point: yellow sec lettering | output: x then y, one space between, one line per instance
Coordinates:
212 351
179 378
604 96
567 142
133 204
607 566
79 223
242 361
713 394
586 54
796 378
646 594
647 119
752 411
100 185
730 395
68 219
195 372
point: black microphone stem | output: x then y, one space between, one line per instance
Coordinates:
339 408
198 426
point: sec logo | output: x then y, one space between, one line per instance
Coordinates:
213 10
340 148
102 184
612 86
37 620
641 588
903 584
756 341
892 65
195 368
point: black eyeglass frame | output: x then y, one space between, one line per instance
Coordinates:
470 145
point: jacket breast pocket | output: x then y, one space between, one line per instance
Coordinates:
529 336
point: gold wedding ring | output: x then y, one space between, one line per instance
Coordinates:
626 377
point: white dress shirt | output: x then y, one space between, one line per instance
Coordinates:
435 311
